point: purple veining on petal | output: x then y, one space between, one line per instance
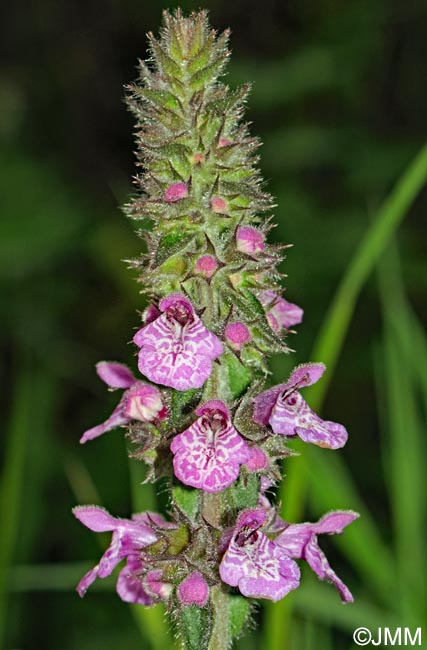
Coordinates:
280 313
256 564
209 453
300 541
285 410
129 584
177 350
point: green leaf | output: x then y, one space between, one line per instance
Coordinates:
238 612
244 493
187 500
195 624
238 377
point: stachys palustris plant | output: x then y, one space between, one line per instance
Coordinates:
198 412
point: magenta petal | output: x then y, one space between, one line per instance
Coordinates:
96 518
129 586
320 565
115 375
305 375
294 538
280 313
335 522
209 453
259 568
116 419
292 416
264 404
177 350
323 433
86 581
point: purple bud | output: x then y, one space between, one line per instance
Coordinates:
206 265
218 204
224 142
193 590
176 192
249 240
198 158
236 335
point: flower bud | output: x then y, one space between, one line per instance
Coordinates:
193 590
249 240
224 142
206 265
218 204
176 192
236 335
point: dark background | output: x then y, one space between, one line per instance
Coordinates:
340 102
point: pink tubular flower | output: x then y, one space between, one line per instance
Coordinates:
280 313
177 350
236 335
193 590
209 453
129 537
249 240
300 541
258 566
176 192
140 401
286 411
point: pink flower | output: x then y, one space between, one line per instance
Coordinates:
257 565
249 240
209 453
285 410
177 350
139 402
300 541
129 537
280 313
193 590
176 192
206 265
236 335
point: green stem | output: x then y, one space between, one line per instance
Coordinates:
220 637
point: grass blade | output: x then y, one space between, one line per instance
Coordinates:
327 348
11 488
404 439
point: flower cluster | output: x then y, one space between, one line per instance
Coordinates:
208 456
216 312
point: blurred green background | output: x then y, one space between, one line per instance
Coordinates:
340 102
